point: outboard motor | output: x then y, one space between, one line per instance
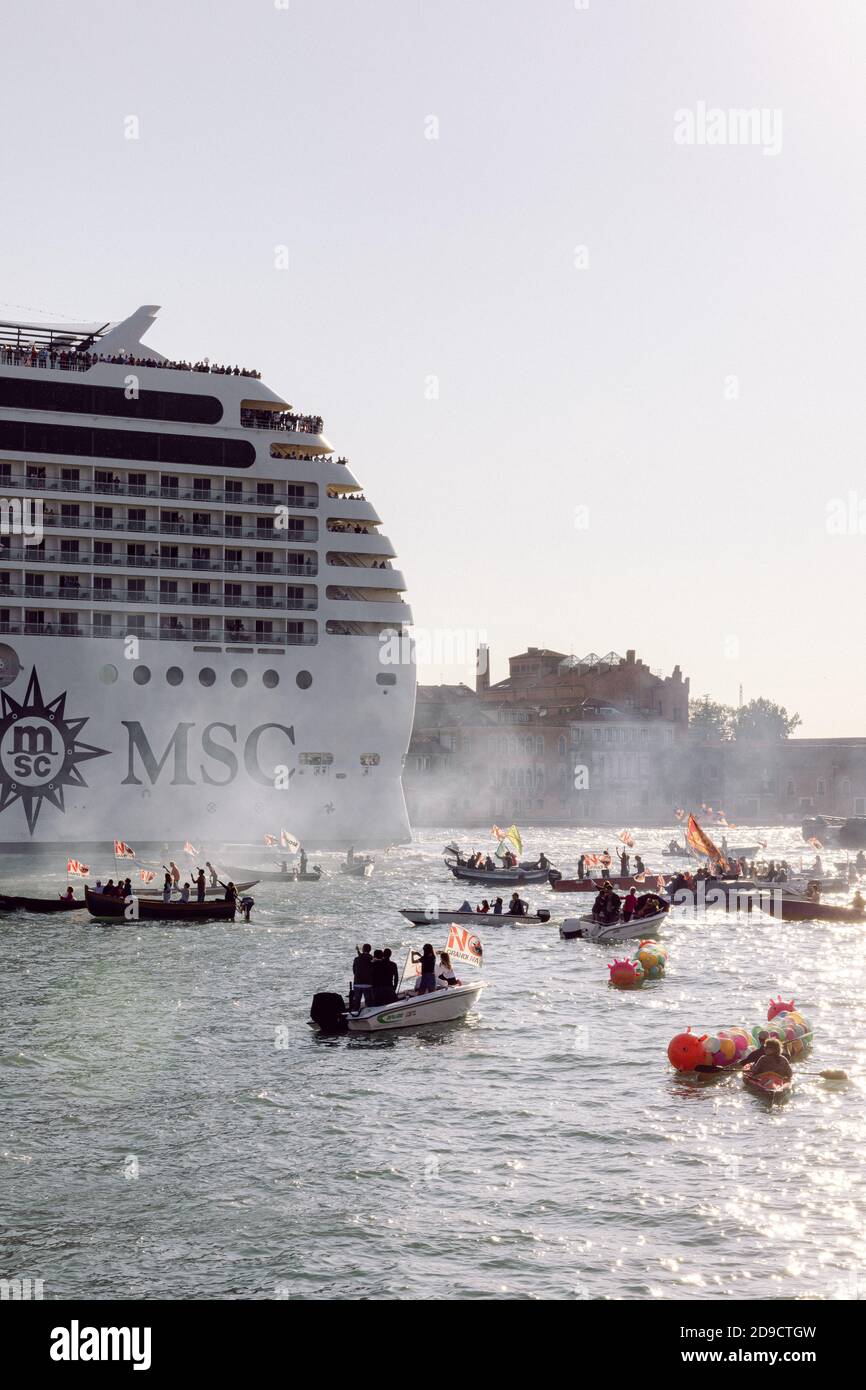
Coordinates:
328 1013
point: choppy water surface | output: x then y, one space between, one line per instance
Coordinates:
171 1127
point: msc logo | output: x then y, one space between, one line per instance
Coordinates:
39 751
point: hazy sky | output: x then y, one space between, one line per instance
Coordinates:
600 379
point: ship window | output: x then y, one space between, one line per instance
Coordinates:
174 675
80 441
270 678
370 759
141 675
108 675
110 400
316 759
385 679
207 676
239 678
303 680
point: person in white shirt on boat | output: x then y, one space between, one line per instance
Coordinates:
445 975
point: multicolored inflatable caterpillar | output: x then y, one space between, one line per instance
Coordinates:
648 963
727 1047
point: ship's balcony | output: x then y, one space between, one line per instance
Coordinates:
184 495
335 627
298 532
363 573
285 421
291 564
351 510
120 631
166 598
393 611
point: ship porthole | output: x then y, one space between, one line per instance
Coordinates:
141 675
239 677
174 675
108 674
270 679
303 680
206 676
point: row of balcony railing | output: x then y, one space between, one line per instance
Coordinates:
32 556
270 532
159 493
161 634
167 599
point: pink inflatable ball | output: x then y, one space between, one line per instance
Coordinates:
687 1051
626 974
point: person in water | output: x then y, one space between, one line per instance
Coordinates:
426 981
757 1052
773 1061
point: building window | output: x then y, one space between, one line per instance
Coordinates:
821 789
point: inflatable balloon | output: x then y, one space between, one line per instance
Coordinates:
648 964
728 1047
687 1051
626 974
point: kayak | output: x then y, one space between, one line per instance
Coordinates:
769 1085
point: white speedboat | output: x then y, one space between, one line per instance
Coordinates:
425 917
415 1010
637 929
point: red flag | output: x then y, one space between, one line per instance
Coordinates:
147 875
123 851
271 841
190 849
75 869
627 838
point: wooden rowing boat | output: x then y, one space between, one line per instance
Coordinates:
273 875
155 910
423 917
769 1085
10 902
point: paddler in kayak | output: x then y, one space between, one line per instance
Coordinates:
772 1061
757 1052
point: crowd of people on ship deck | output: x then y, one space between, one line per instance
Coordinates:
376 977
70 359
281 420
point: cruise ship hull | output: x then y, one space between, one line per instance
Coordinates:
97 744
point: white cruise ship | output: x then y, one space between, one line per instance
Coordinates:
194 648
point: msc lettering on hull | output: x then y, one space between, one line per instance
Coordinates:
218 744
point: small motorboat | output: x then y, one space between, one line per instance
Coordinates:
423 917
636 929
10 902
330 1015
155 910
358 868
769 1085
273 875
491 877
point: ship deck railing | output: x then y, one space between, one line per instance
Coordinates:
157 494
278 639
31 556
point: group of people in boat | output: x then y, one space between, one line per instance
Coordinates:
609 907
517 907
605 860
478 860
375 976
171 884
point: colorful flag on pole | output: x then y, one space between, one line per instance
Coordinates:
702 844
190 849
271 841
464 946
288 841
123 851
147 875
627 838
75 869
